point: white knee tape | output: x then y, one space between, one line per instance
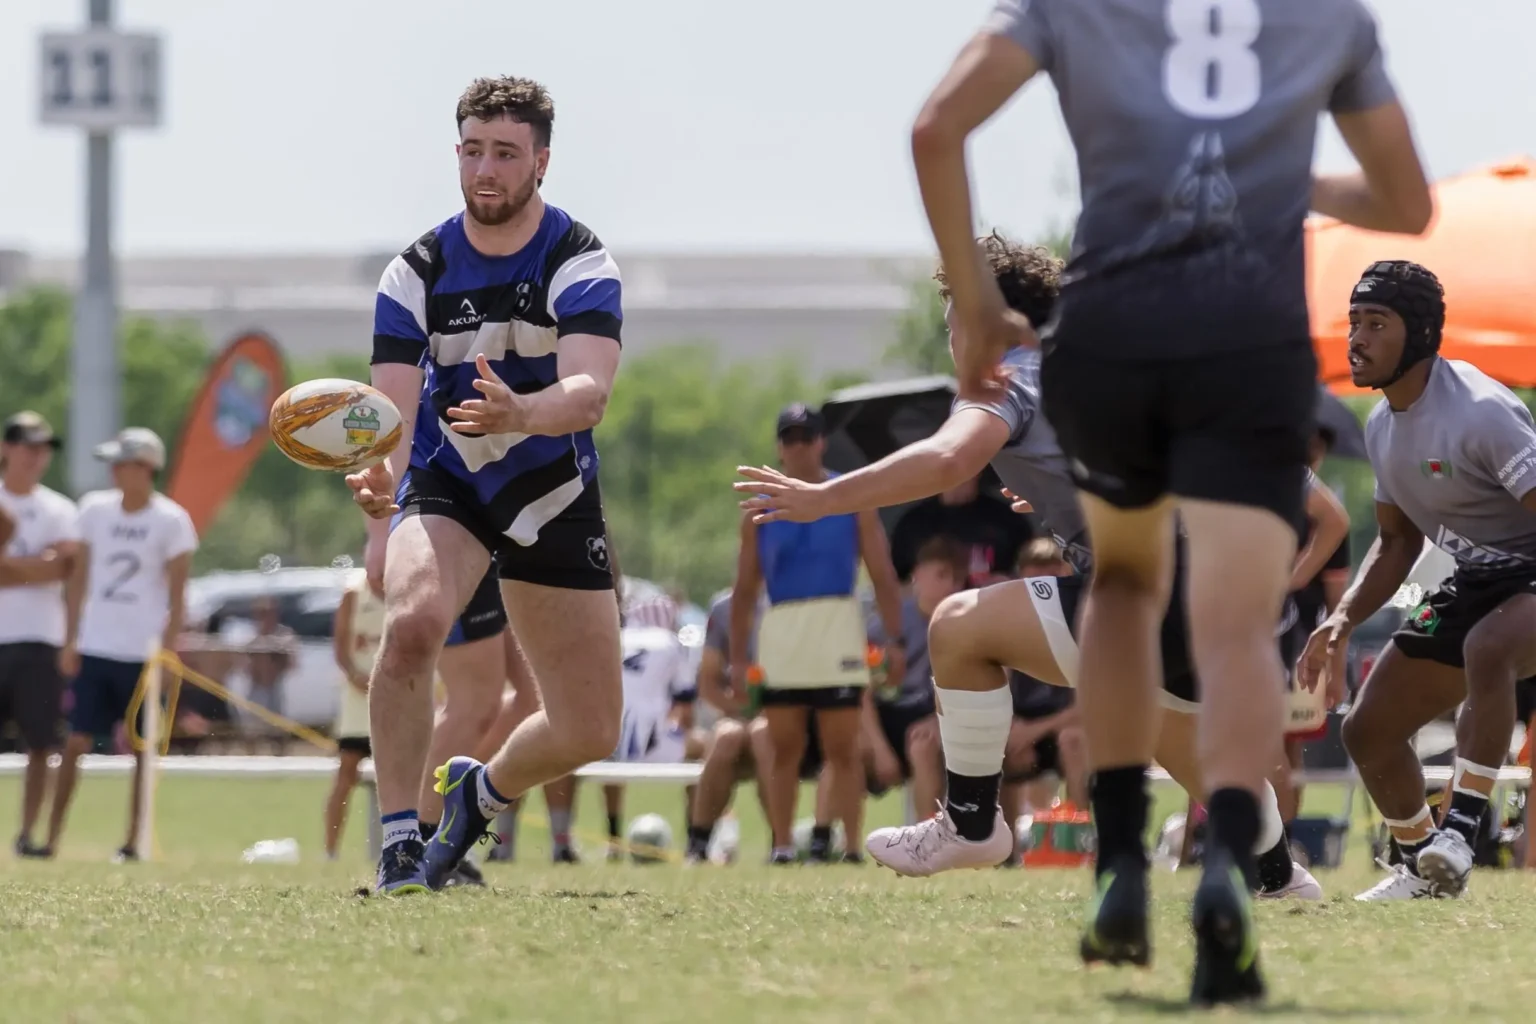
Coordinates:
973 726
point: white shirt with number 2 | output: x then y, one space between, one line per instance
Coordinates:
127 600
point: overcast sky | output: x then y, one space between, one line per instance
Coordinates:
682 125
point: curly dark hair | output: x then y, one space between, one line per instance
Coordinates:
1029 276
519 99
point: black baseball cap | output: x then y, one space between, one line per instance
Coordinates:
27 427
799 417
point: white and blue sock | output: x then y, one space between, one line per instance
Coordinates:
490 802
401 827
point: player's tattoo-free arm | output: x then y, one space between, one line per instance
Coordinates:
576 401
1387 564
51 566
401 384
1390 192
749 581
713 682
7 528
955 453
1330 525
876 554
985 76
341 641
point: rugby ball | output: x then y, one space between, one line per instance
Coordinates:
335 424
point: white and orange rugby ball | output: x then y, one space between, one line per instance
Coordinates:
335 424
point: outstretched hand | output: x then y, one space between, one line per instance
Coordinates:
775 496
499 412
374 490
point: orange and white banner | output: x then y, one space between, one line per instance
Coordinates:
226 427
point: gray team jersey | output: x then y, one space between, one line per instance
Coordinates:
717 629
1194 123
1457 462
1031 464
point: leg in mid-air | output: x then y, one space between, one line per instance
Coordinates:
431 569
570 635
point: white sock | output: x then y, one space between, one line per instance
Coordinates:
1271 828
973 728
401 827
491 802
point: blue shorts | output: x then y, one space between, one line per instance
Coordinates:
484 616
101 694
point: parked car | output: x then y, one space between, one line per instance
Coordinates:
307 599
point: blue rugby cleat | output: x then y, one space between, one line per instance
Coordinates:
463 825
401 872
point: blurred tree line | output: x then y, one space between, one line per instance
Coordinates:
675 431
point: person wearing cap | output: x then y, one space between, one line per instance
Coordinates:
125 603
34 562
1454 453
812 641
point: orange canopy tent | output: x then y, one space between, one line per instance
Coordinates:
1482 246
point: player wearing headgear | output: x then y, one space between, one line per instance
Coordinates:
1454 453
1194 124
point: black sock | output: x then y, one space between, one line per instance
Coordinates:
1276 866
1120 802
1410 851
613 826
1466 814
821 841
428 830
698 838
972 804
1234 828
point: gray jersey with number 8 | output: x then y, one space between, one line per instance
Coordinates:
1194 123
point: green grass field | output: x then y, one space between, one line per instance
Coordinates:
197 936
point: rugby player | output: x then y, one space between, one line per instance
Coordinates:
1025 625
1178 371
497 335
1454 453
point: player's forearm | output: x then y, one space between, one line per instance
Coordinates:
1386 565
20 572
1350 198
568 406
943 179
917 471
74 597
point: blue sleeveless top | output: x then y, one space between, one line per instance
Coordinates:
802 561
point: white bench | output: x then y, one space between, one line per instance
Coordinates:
267 766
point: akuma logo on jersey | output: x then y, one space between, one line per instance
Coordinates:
362 425
468 315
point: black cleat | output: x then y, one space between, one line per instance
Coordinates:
781 857
27 850
465 874
853 858
1117 931
1226 947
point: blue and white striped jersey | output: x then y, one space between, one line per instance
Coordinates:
441 303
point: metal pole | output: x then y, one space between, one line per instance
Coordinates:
94 414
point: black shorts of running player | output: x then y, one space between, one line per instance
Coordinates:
1437 629
1231 427
484 616
32 693
896 720
571 551
816 698
1057 599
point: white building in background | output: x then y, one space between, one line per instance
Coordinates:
829 313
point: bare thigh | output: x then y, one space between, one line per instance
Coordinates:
571 641
998 624
475 672
431 568
1398 698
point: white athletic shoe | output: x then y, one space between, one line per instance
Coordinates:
932 846
1302 887
1400 884
1446 862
